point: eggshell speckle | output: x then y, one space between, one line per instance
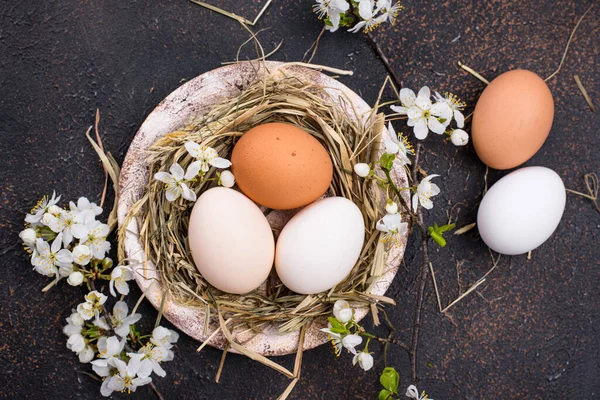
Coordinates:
280 166
320 245
522 210
231 241
512 119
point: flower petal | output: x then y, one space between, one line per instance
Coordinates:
392 221
173 192
459 118
194 149
421 129
436 126
177 172
192 171
407 97
415 202
399 109
220 163
424 93
187 193
163 177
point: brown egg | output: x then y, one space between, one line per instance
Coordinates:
280 166
512 119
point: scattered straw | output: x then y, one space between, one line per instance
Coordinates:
465 229
314 46
552 75
234 16
584 92
435 286
475 285
473 72
591 183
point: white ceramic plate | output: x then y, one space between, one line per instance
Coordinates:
190 101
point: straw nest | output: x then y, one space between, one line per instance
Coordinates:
275 97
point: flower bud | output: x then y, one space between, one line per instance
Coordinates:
391 207
28 237
227 179
75 279
342 311
107 263
459 137
86 355
362 169
76 319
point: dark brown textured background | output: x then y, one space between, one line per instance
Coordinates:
532 332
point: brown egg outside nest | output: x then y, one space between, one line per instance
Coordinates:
512 119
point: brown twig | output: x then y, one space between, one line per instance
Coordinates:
381 55
313 47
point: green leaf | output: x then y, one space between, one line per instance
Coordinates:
387 161
390 379
437 233
385 395
335 323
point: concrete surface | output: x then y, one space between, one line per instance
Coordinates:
532 332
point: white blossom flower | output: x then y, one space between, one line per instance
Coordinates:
164 337
366 10
175 181
413 393
350 342
364 360
455 105
75 279
154 355
227 179
85 207
393 145
118 279
86 355
121 321
92 305
362 169
389 11
339 341
425 191
93 235
48 259
391 207
459 137
28 236
342 311
62 221
333 10
129 376
107 349
392 227
36 215
82 254
422 114
334 338
76 343
206 157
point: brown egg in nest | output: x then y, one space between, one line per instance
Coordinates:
281 166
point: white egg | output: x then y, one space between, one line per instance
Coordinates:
320 245
522 210
231 241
